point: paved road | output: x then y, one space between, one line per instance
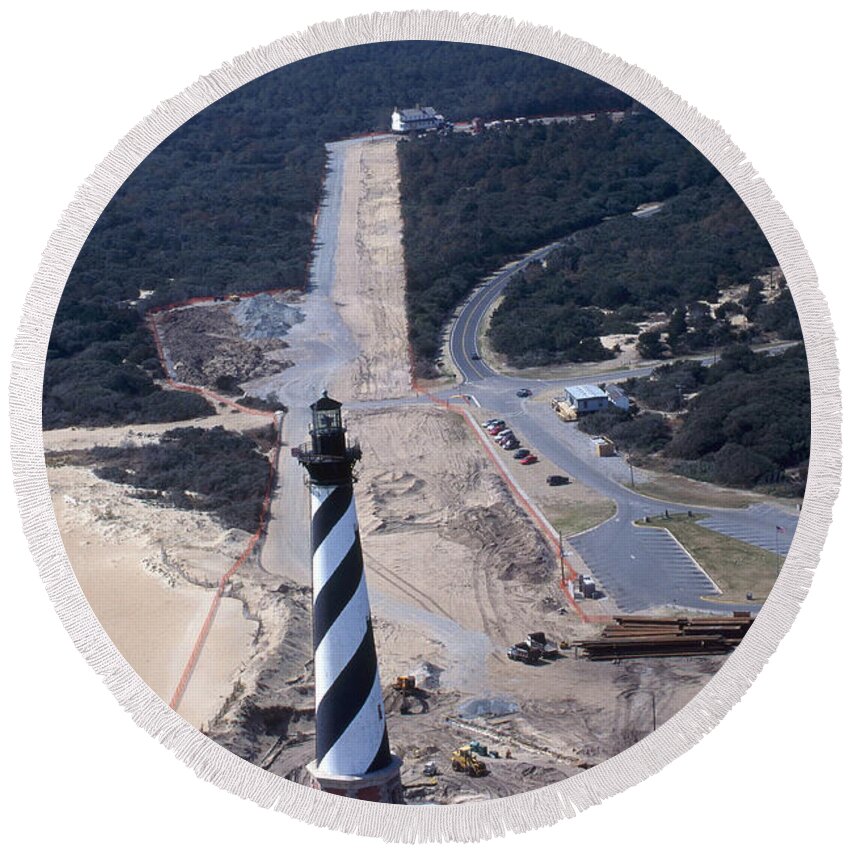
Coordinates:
319 345
463 336
639 567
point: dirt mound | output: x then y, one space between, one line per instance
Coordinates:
488 528
205 344
266 316
487 707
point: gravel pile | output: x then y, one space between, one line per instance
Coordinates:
265 317
492 707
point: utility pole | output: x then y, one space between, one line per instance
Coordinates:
561 554
776 530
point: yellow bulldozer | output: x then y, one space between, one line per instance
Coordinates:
405 684
465 761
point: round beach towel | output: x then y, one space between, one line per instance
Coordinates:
428 412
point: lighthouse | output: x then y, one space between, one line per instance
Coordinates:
353 755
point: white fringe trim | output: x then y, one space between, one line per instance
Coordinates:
423 823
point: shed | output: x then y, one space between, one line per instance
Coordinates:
617 397
604 447
586 398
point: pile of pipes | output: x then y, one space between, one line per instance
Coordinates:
643 637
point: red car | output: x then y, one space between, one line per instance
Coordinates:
529 459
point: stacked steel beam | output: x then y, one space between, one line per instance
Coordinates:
641 637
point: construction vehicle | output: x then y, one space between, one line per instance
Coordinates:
565 411
430 768
405 684
234 299
523 652
465 761
537 640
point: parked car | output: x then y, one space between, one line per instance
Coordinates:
557 480
510 444
521 453
495 429
528 460
504 435
491 422
525 392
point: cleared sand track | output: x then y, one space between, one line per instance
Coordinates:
369 285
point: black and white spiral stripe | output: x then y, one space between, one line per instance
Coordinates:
351 731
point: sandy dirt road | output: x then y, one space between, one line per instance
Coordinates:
369 285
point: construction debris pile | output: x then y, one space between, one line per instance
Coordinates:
643 637
266 316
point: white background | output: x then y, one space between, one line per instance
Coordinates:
77 77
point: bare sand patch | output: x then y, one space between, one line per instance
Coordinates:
78 438
439 529
148 573
369 285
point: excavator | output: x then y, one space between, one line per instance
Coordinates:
464 760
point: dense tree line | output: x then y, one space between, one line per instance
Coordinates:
751 419
185 470
471 203
226 203
701 242
631 432
742 422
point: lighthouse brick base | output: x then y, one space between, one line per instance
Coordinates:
380 786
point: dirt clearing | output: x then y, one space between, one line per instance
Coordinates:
208 343
370 281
